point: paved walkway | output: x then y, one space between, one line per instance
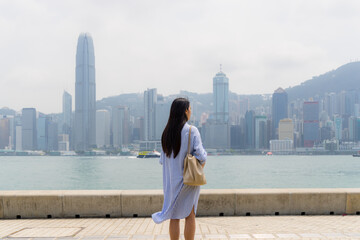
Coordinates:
265 227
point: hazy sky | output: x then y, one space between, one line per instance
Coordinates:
170 45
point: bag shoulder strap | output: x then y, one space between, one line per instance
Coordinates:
188 151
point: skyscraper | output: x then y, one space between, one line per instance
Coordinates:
260 132
120 126
28 120
311 123
4 132
67 112
250 129
102 128
85 94
150 100
286 129
279 109
221 97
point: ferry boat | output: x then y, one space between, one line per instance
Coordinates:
148 154
357 154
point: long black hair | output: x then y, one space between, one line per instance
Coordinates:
171 136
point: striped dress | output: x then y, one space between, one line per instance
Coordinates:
179 199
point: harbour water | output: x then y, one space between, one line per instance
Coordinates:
109 172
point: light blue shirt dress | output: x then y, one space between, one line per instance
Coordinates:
179 199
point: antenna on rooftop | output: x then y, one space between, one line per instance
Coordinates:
220 67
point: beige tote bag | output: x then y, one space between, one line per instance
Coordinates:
193 171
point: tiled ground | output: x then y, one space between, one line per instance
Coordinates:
265 227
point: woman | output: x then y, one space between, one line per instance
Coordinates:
180 201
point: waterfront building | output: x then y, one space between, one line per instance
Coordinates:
286 129
28 121
102 128
161 118
63 142
352 126
221 97
357 110
150 100
279 109
281 146
5 139
85 94
311 123
216 135
18 134
250 129
52 136
42 132
120 126
357 129
66 113
260 132
342 102
338 125
237 137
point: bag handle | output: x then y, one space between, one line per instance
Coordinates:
188 151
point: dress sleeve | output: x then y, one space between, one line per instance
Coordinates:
162 156
199 151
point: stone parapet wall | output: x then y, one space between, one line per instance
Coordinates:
212 202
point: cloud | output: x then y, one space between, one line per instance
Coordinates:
170 45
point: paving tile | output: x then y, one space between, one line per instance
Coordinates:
288 236
142 237
334 235
353 234
311 235
118 237
240 236
218 236
42 238
43 232
260 236
93 238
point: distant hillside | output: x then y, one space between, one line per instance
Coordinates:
346 77
7 111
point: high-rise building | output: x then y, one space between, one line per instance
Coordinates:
338 125
286 129
42 132
260 132
250 129
120 126
150 100
85 94
279 109
161 118
28 120
5 139
18 142
221 97
66 113
52 136
311 123
102 128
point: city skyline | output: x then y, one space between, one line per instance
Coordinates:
261 44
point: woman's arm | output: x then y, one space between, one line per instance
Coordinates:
199 151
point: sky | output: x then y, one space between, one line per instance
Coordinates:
170 45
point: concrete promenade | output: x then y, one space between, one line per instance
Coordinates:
253 227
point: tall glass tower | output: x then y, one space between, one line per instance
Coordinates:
279 109
221 97
85 94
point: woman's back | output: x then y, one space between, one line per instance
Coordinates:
179 198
